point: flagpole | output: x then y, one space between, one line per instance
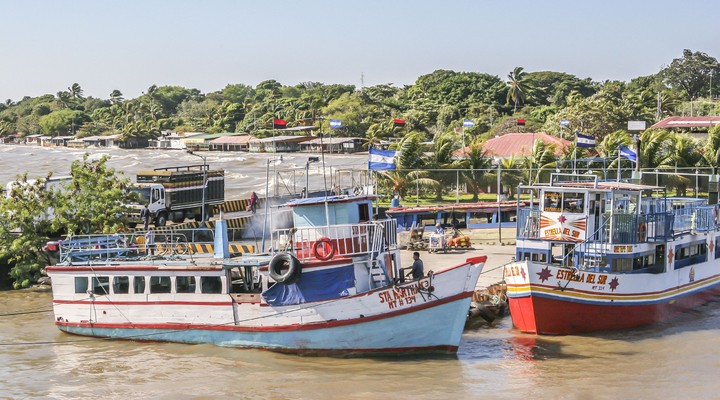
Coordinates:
618 160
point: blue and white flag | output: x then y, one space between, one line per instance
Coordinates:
585 141
381 160
564 122
335 124
627 153
468 123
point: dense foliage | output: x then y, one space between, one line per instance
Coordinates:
92 201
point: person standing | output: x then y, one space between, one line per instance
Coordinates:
253 202
150 243
145 216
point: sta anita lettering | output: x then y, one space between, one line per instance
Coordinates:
401 296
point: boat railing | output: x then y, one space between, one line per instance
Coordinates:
528 223
344 240
122 246
704 219
634 228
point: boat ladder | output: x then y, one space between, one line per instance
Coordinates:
378 274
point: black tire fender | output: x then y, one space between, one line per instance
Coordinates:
285 260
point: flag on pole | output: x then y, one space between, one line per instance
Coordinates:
381 160
521 122
564 122
468 123
627 153
335 124
399 122
279 124
585 140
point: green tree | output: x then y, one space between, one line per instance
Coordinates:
61 122
25 210
95 200
691 73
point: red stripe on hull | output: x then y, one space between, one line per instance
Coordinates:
551 316
273 328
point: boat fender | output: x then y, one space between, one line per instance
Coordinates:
285 260
642 232
328 249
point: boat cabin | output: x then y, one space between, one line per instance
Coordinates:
612 226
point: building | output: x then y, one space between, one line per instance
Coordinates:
332 145
231 143
696 127
516 145
278 144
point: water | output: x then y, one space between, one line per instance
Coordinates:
675 360
244 173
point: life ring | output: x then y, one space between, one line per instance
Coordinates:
642 232
328 249
285 260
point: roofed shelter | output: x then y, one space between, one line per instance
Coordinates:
696 127
516 145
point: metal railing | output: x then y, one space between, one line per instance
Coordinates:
340 240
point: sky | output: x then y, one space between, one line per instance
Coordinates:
130 45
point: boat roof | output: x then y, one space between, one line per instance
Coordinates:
601 186
328 199
479 206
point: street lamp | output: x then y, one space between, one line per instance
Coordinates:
202 208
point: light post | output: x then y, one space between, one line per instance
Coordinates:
204 186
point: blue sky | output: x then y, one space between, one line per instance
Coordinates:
130 45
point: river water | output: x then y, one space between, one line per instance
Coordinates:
679 359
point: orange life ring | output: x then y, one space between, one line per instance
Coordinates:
328 249
642 232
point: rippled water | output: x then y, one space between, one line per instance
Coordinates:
676 360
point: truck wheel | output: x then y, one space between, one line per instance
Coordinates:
161 220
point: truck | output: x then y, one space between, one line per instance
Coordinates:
176 193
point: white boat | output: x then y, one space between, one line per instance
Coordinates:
597 256
332 285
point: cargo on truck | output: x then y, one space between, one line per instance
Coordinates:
176 193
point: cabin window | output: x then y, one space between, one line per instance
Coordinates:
364 212
121 284
81 284
101 285
185 284
690 254
553 202
573 203
160 284
210 284
622 264
139 284
570 203
717 247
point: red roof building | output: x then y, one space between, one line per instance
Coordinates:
516 145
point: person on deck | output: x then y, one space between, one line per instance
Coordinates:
417 268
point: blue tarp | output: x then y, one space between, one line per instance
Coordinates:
312 286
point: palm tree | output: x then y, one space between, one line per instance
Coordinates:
475 167
541 158
116 97
510 174
76 91
518 89
64 99
441 158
